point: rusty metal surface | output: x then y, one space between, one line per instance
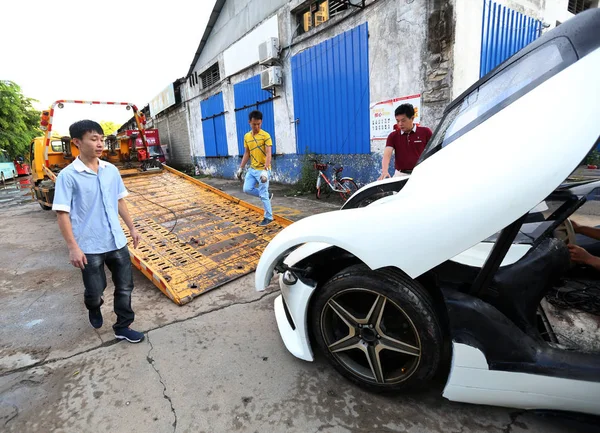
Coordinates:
194 238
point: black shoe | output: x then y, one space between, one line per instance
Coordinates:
96 317
265 222
129 335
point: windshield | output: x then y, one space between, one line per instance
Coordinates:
500 91
56 146
155 151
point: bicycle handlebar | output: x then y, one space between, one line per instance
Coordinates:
319 162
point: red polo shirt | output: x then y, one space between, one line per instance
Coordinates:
408 146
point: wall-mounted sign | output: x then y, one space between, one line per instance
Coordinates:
382 115
163 100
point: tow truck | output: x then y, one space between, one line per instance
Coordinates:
195 237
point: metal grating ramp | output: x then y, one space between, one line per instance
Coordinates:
195 238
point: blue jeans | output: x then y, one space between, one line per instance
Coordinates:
252 178
94 281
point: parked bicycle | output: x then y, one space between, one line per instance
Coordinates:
345 186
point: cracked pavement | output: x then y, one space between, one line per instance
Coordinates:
214 365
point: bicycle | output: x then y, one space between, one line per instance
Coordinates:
345 186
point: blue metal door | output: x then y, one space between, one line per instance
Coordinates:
248 97
213 126
504 32
331 95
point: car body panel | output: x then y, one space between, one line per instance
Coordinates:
471 380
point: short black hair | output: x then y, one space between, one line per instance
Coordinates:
256 115
406 109
78 129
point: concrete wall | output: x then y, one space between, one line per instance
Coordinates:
236 19
556 11
401 62
467 43
468 16
173 130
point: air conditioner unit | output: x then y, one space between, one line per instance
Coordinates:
320 18
307 21
268 51
271 77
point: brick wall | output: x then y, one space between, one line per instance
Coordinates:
173 130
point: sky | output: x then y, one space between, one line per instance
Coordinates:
121 51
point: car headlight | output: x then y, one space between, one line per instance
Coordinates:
289 278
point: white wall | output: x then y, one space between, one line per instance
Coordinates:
556 11
467 44
235 20
244 52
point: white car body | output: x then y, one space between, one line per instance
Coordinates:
518 157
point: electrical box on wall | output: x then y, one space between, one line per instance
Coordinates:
268 51
271 77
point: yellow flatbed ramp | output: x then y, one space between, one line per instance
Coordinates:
195 237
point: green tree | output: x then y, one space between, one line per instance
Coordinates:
19 121
109 127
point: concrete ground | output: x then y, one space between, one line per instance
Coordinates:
216 364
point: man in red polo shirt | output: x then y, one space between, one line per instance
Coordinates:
407 143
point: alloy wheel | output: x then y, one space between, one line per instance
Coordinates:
371 336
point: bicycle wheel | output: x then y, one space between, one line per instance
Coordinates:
323 189
349 187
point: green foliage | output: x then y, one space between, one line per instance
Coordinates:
307 184
109 127
19 121
593 158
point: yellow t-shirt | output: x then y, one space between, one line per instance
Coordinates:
257 146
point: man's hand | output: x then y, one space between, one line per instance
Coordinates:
238 173
576 227
579 255
135 236
77 258
384 175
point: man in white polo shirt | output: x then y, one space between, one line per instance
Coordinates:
88 201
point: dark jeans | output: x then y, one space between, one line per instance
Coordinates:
94 281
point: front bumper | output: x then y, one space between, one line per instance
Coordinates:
293 325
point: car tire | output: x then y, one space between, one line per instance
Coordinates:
407 322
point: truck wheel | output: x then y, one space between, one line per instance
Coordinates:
378 328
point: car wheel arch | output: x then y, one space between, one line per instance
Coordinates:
325 264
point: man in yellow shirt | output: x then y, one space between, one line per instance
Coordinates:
257 149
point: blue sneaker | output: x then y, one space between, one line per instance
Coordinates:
264 222
95 316
129 335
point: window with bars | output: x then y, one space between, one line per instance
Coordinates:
210 76
317 12
576 6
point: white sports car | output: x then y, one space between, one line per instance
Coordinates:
457 262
